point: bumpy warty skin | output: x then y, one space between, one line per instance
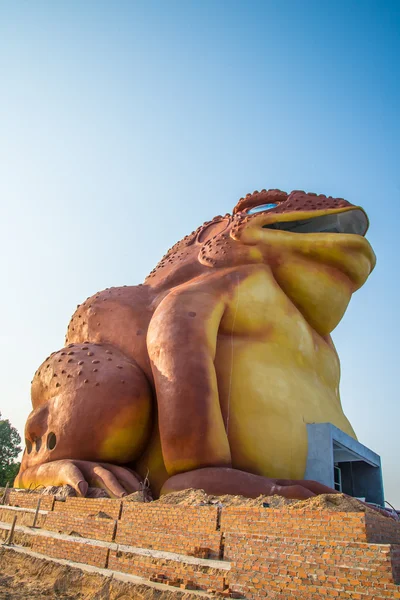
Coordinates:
207 373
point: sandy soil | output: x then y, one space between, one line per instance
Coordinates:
19 581
335 502
193 497
23 577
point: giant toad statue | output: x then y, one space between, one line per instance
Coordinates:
207 374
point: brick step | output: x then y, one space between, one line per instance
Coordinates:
81 507
276 554
25 499
345 575
281 579
202 545
352 561
177 519
257 585
68 547
24 516
163 567
314 574
327 593
311 524
267 563
341 577
331 592
195 543
357 554
174 568
381 567
119 582
97 528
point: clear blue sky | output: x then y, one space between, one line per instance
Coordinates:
125 125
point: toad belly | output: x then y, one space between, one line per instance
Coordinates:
268 394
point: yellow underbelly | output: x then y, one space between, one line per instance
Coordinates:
268 394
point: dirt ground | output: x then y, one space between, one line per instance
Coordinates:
193 497
11 589
20 580
23 577
334 502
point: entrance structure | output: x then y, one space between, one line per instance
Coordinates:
341 462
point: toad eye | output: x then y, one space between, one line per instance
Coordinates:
261 208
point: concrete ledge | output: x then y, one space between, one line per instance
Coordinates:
183 558
24 510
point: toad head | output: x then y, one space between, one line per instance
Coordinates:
314 246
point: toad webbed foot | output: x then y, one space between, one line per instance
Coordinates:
81 474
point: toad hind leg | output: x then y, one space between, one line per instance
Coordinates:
92 412
219 481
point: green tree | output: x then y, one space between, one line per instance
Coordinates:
9 450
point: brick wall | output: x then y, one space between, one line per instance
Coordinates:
191 543
30 500
89 506
382 530
318 525
23 517
261 563
202 576
89 527
187 530
327 554
280 554
171 518
396 563
71 550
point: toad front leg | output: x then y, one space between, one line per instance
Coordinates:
182 340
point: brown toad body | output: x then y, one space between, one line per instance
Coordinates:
207 374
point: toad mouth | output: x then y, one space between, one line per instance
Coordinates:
352 221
